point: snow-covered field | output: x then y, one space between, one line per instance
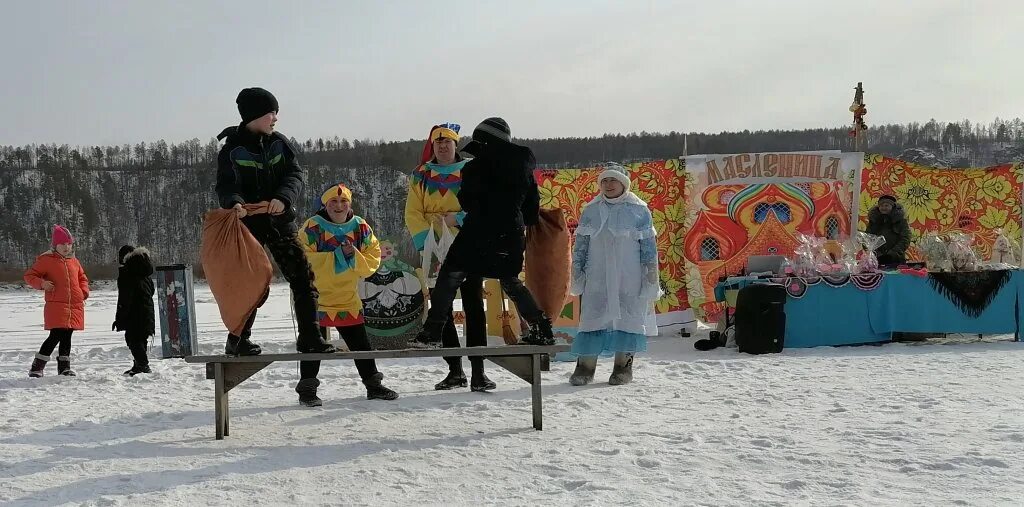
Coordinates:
896 424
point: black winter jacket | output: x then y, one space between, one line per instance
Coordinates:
894 228
254 167
499 195
135 312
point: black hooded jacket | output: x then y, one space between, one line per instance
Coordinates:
499 195
255 167
894 228
135 312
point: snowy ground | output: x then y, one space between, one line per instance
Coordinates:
896 424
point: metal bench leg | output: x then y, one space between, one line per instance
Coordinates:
538 422
220 401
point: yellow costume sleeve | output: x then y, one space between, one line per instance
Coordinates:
367 259
416 219
321 262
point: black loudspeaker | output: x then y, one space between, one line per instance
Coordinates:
761 318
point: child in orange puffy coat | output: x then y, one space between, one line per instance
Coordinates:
59 274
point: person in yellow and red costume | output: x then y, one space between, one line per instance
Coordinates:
432 207
342 249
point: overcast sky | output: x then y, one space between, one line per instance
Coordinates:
119 71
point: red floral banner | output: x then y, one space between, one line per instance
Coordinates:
702 237
662 184
977 201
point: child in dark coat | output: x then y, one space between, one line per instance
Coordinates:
135 314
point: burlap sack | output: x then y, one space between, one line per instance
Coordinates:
235 264
549 261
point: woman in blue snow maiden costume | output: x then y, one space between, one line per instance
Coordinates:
615 271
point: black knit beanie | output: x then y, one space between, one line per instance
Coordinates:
255 102
125 250
491 130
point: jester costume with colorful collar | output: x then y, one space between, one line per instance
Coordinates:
337 274
432 193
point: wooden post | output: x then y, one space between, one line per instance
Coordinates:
227 413
220 397
538 418
495 301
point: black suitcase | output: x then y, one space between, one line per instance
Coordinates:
761 318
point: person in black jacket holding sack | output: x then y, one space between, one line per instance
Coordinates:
135 314
500 198
258 164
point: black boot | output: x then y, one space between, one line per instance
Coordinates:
455 379
480 383
136 369
307 392
241 346
312 343
376 391
540 333
38 366
64 366
429 336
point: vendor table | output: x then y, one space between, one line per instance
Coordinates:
849 310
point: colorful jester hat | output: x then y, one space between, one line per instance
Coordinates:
339 190
444 130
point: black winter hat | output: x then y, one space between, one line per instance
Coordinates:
490 130
255 102
887 197
125 250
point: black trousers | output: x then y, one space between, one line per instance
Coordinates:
449 280
476 322
284 247
137 344
356 339
448 283
58 336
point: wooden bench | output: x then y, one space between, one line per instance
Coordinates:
524 361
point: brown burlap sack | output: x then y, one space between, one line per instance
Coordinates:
549 261
235 264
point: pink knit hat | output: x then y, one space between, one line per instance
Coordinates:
61 236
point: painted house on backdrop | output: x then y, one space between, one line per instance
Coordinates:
758 203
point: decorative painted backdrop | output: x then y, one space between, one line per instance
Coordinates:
757 204
975 200
662 184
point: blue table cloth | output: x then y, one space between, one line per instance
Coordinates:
827 315
909 304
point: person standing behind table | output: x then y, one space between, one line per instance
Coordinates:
431 205
60 275
342 249
257 164
135 314
889 220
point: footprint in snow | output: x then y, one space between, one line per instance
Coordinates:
647 463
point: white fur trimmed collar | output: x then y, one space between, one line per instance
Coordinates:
138 251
